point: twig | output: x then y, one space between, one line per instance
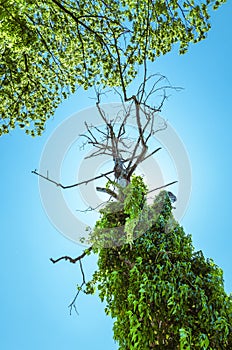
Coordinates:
158 188
108 191
91 208
73 260
151 154
74 185
79 288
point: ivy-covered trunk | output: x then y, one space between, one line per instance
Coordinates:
160 292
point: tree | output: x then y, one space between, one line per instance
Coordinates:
160 292
49 48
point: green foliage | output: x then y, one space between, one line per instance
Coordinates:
49 48
119 220
134 202
161 293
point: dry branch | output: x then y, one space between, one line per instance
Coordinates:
74 185
159 188
72 260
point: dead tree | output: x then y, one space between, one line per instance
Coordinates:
114 140
126 153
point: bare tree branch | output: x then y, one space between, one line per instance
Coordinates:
108 191
74 185
73 260
151 154
79 289
91 208
158 188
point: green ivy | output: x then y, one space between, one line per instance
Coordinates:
160 292
119 219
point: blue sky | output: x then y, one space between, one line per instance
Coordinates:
35 293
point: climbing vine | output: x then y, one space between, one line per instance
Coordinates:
160 292
119 219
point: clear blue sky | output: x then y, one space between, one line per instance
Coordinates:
35 293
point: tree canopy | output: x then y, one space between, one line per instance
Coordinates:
49 48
